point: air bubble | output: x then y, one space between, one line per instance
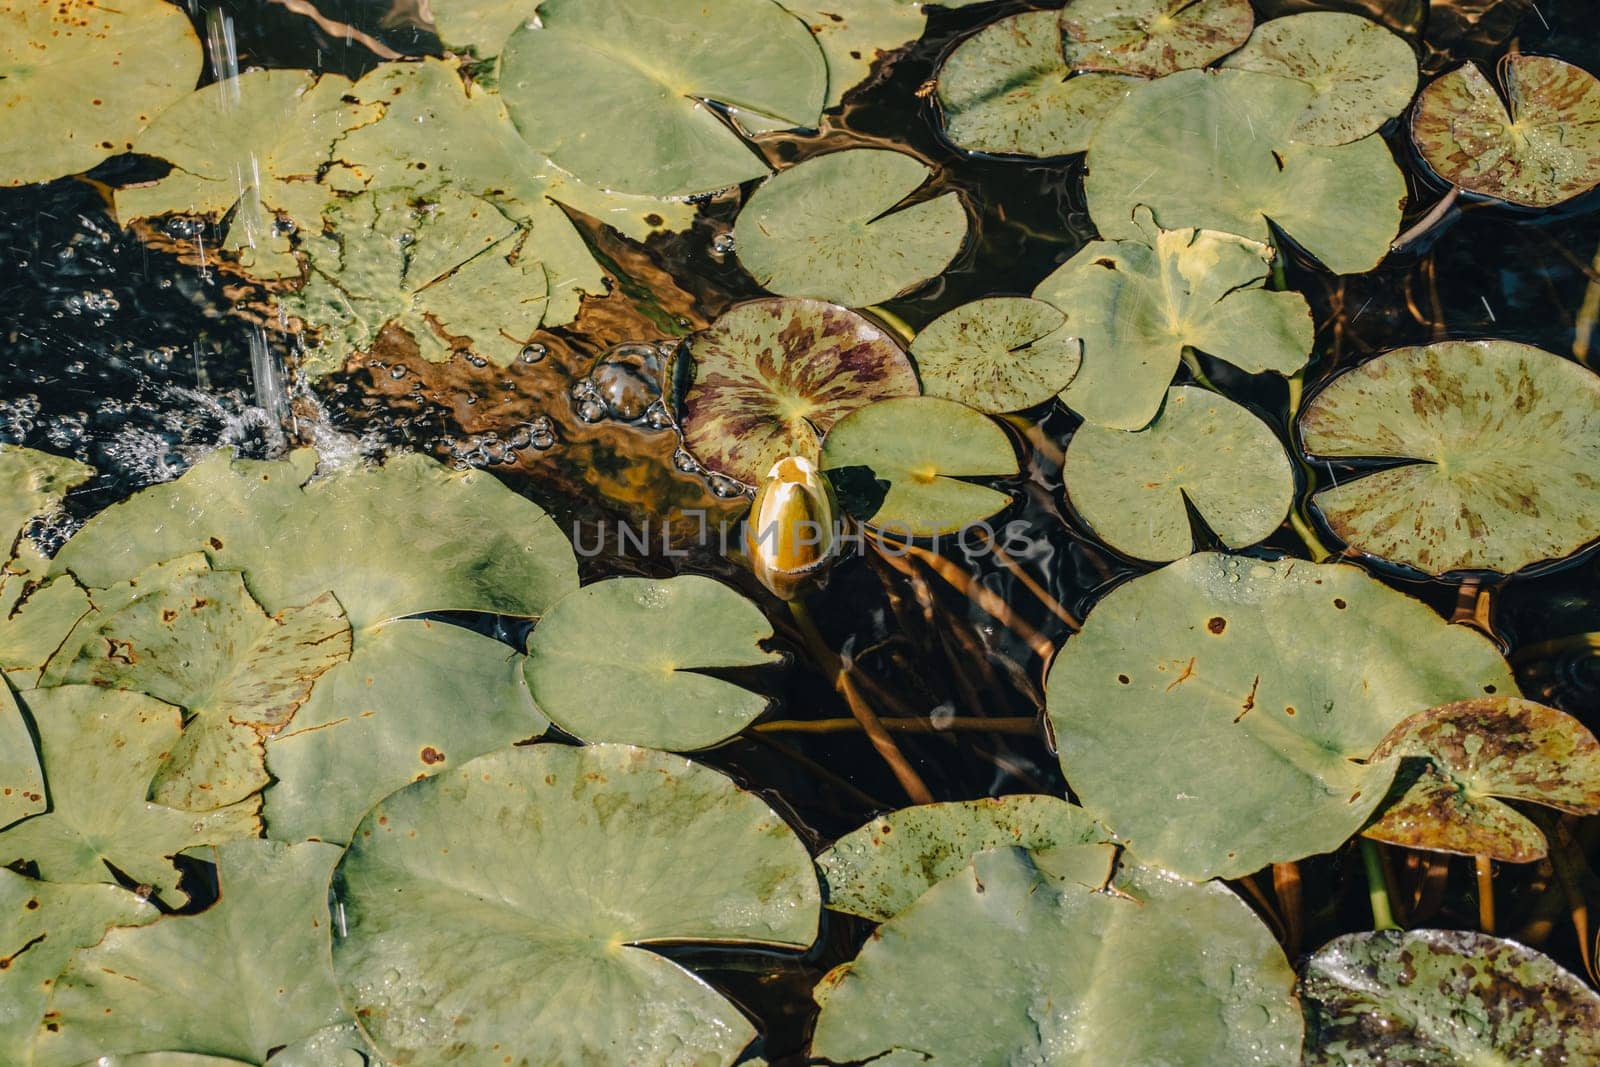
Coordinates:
398 371
722 243
534 352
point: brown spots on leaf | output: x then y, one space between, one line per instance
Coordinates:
215 543
1339 603
1188 672
431 755
1249 700
168 615
1216 624
1123 678
120 652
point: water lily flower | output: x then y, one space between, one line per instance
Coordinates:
790 538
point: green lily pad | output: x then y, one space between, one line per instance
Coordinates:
833 228
1216 712
478 26
921 446
853 34
1545 149
1203 449
772 376
1007 91
1437 998
1001 353
245 976
621 660
1137 303
649 78
32 484
1217 150
169 1059
33 626
880 869
1478 750
100 749
21 780
1152 37
457 944
335 1046
83 78
1003 962
1503 441
1362 75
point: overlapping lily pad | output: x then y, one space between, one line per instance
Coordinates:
1134 489
1001 353
622 660
1138 302
1500 444
35 614
21 780
772 376
922 446
1218 714
1436 998
1538 146
1152 37
1004 962
32 483
460 943
834 228
854 33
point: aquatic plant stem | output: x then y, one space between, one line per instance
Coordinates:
968 586
1485 872
1435 215
914 725
1588 313
1377 887
1297 514
1286 886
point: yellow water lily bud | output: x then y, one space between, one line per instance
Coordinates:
790 538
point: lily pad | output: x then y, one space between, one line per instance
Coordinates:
1137 303
650 77
21 780
1001 353
335 1046
83 78
1005 963
1217 150
33 625
922 446
1362 75
853 34
772 376
100 749
1501 443
1152 37
32 484
881 869
456 943
1478 750
1007 91
245 976
1218 713
1134 489
623 660
1436 998
833 228
1545 149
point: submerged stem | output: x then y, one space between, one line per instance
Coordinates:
915 725
1435 215
1377 887
1485 871
1297 514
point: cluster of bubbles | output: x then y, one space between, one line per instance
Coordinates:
625 385
489 449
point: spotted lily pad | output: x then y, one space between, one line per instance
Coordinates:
1007 91
772 376
1152 37
82 78
922 446
1134 489
21 780
833 228
1538 146
1500 444
36 614
455 943
1004 962
1001 353
1138 302
1362 75
1218 150
650 76
1218 713
1478 750
1436 998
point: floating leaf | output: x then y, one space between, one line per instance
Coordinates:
1214 713
335 1046
33 626
921 446
32 484
879 870
21 780
1545 149
1007 91
1152 37
1481 749
643 121
854 33
997 354
1137 303
1361 74
247 975
478 26
772 376
99 749
1436 998
1217 150
1005 963
1503 448
833 228
1134 489
598 852
83 78
623 660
